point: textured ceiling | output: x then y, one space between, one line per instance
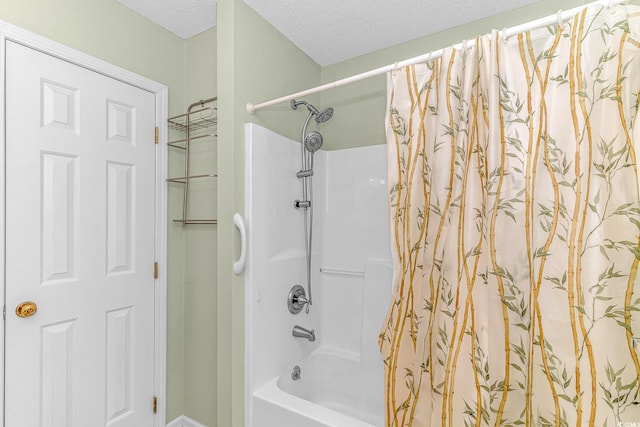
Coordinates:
184 18
331 31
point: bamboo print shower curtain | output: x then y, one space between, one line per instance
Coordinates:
515 225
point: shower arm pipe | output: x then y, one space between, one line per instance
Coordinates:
508 32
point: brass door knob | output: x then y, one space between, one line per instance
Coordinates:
26 309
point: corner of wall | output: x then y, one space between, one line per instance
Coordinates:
184 421
200 245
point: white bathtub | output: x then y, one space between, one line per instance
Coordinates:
333 391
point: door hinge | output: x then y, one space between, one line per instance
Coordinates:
157 135
155 270
155 405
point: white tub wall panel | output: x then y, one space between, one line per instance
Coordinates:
272 189
376 300
273 251
356 224
355 230
341 313
249 371
265 323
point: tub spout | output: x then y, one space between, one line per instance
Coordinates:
300 332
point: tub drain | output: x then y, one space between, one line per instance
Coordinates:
295 374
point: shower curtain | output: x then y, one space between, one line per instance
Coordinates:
514 211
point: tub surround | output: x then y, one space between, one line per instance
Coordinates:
352 278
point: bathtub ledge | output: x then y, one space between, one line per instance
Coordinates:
272 394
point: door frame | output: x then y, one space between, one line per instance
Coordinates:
9 32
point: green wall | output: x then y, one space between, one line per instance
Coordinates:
200 296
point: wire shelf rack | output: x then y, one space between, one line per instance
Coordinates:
201 115
203 118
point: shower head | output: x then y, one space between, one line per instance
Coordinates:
313 141
324 115
321 116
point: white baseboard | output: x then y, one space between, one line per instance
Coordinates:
184 421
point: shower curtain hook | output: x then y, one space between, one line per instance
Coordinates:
394 69
560 20
429 55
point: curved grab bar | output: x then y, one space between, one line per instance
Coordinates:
238 266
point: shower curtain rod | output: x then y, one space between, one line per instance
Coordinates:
542 22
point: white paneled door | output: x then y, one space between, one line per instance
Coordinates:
80 198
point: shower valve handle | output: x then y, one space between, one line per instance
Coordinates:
297 300
303 300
